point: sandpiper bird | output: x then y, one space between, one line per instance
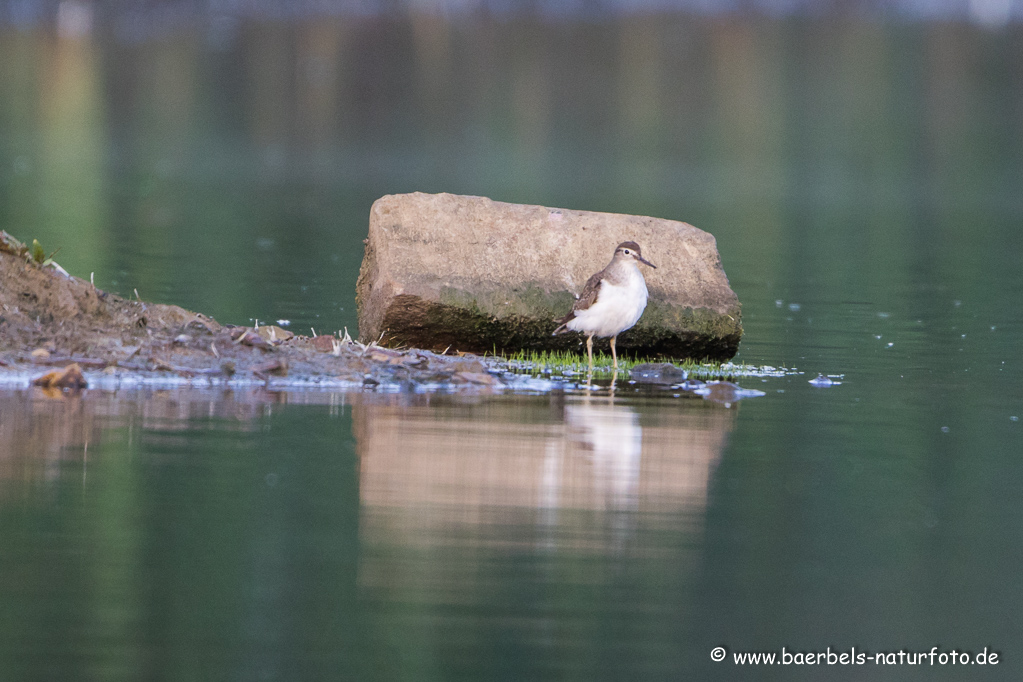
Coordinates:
612 300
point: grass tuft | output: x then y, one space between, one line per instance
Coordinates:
562 363
539 363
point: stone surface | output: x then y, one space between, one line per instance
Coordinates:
477 275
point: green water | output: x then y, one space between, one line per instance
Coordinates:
863 183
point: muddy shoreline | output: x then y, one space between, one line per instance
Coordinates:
49 320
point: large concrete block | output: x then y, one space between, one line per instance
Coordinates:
445 270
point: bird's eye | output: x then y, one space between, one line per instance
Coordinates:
626 252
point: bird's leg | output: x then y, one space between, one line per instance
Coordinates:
589 350
613 353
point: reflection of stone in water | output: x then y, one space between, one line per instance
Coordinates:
430 471
531 518
726 393
454 497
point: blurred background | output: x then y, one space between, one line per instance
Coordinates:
224 155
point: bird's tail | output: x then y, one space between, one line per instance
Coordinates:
563 323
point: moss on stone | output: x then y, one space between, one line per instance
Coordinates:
524 319
529 300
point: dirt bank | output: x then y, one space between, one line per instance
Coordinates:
49 319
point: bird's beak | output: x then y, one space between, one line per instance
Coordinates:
644 261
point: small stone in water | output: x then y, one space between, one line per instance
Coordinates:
70 377
657 373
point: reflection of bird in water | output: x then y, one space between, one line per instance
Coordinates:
609 439
612 439
612 300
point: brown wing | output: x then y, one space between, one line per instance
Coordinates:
587 297
589 294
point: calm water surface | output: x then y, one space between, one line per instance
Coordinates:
862 180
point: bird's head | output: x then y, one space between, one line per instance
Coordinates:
631 251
